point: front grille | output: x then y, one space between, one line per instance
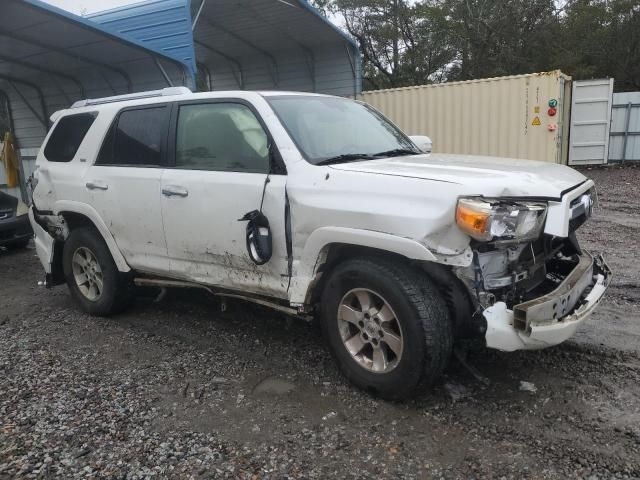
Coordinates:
576 223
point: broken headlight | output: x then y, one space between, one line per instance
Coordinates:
500 220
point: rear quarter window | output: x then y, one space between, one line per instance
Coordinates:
67 136
136 137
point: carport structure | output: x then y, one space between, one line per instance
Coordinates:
50 58
247 44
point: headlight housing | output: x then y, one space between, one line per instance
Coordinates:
500 220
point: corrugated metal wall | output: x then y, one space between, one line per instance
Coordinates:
625 117
505 117
331 77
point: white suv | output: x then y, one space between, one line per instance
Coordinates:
315 205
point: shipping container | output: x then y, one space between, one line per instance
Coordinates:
522 116
625 127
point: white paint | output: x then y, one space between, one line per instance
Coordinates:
206 242
501 334
423 142
559 213
404 205
44 244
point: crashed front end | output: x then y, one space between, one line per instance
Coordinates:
530 278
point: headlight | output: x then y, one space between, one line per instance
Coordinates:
21 209
500 220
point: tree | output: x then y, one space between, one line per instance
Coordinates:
402 43
412 42
498 37
601 38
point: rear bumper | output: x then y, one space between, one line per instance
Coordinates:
14 230
553 318
44 243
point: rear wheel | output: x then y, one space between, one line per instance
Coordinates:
387 326
91 274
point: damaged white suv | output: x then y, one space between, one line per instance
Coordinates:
318 205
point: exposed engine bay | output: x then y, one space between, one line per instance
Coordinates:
520 273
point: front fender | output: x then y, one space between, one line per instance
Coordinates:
305 268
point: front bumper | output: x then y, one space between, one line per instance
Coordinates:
14 230
552 318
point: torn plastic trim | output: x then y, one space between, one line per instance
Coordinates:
558 303
502 335
43 242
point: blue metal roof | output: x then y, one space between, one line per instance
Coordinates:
160 25
256 44
49 58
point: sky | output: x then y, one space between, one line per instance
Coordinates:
80 7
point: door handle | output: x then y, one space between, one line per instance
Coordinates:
97 186
174 191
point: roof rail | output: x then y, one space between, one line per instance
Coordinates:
165 92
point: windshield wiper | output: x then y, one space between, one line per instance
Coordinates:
347 157
397 152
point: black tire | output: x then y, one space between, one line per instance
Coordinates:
116 292
420 310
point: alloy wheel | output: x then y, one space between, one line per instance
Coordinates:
370 330
87 273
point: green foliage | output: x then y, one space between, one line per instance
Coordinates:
409 42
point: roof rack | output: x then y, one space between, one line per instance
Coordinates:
165 92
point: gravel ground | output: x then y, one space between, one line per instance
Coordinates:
179 389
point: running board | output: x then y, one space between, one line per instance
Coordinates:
160 283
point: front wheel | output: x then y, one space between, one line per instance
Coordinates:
387 326
91 274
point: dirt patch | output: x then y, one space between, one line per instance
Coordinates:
180 389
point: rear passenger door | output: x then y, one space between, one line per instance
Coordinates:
220 155
124 185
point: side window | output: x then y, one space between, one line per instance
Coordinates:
67 137
135 139
221 137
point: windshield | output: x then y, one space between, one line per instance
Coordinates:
330 130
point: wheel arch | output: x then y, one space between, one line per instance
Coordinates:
77 215
453 290
328 240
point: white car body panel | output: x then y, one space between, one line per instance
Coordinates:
44 244
316 247
136 226
206 240
489 176
501 334
405 205
91 213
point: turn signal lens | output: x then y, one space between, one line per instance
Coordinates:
473 219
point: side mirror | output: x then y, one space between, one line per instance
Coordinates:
423 142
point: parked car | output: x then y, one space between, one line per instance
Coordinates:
315 205
15 229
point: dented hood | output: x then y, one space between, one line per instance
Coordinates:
484 175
